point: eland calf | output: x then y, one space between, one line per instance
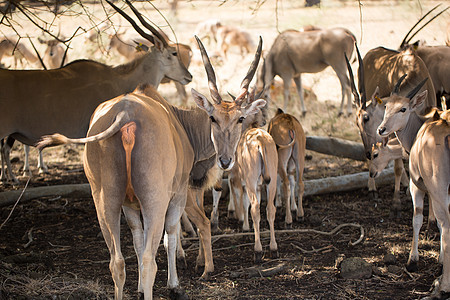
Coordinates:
288 135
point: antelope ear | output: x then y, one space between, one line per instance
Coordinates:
254 107
202 102
418 100
158 44
376 97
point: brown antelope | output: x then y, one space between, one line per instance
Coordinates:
228 37
62 100
170 145
379 72
256 160
135 47
294 52
436 58
9 46
428 144
288 134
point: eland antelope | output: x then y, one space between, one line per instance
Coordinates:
62 100
379 73
294 52
228 37
288 135
256 160
151 150
427 142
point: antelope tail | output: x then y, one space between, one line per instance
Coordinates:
59 139
128 139
263 153
292 135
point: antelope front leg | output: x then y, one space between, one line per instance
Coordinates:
417 199
396 209
251 193
204 227
298 84
215 211
373 193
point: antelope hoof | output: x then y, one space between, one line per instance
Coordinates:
300 219
373 195
206 276
288 225
181 263
140 296
437 293
258 257
178 294
411 266
232 214
274 254
303 113
340 114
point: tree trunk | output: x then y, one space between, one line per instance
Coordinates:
335 146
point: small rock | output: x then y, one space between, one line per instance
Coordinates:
390 259
315 220
355 268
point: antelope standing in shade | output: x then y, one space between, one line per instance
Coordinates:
428 143
377 72
150 150
288 134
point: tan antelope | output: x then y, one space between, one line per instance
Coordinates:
9 46
288 135
208 29
256 161
62 100
140 154
228 36
379 72
294 52
131 48
428 143
55 55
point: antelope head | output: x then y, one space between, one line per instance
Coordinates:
399 108
167 56
227 116
368 117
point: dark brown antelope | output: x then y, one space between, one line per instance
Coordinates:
294 52
62 100
170 145
427 142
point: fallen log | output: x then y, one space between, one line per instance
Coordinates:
336 147
66 190
346 182
312 187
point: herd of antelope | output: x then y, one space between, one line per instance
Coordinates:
154 161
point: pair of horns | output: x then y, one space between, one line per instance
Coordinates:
212 76
408 38
145 35
360 102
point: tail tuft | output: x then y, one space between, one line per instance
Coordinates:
52 140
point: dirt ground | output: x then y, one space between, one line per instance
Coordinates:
52 248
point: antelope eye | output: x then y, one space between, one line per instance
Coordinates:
366 118
403 109
175 53
241 119
212 119
375 155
